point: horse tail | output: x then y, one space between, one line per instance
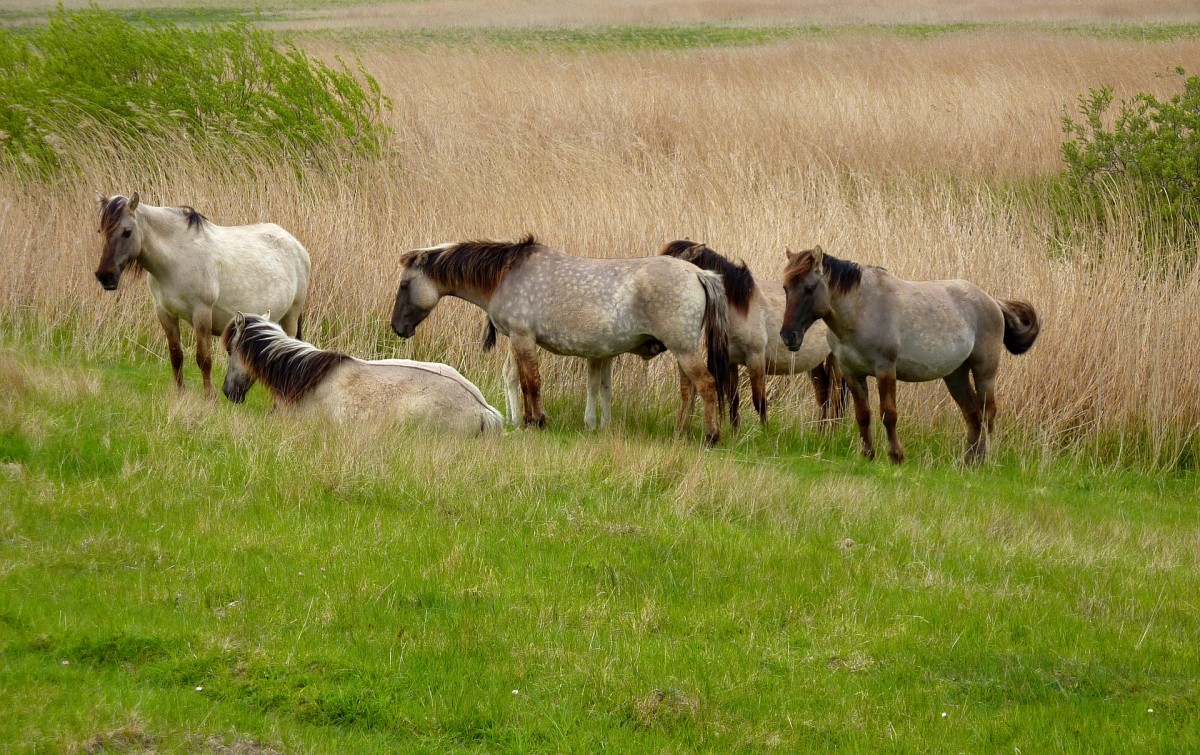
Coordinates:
716 333
492 421
1021 325
489 334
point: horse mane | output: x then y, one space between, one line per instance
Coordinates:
290 368
843 276
479 265
739 281
192 216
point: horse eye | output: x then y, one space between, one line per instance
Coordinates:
125 233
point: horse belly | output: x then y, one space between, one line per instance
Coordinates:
931 359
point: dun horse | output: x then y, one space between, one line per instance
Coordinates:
575 306
345 389
755 317
202 273
914 331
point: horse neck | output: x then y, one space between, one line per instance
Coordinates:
479 299
162 233
844 307
280 361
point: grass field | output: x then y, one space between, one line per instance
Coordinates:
184 576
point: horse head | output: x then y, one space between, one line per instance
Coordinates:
807 295
237 377
122 238
416 297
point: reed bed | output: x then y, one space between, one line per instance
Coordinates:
920 156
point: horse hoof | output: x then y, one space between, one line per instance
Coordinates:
711 439
896 457
869 453
539 422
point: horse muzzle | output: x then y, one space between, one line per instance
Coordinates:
792 339
108 281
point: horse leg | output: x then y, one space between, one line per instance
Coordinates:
694 367
887 410
735 398
202 325
687 400
170 326
862 412
959 385
512 387
820 383
985 392
525 352
606 393
594 368
757 370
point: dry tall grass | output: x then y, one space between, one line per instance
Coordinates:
885 151
472 13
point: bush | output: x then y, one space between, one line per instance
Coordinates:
89 76
1149 160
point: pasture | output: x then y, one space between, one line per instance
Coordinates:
178 575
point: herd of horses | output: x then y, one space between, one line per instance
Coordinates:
837 320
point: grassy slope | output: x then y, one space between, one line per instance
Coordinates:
171 570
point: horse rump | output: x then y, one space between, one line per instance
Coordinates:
1021 325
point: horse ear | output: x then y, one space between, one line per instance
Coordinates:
101 201
818 255
790 254
267 315
133 203
239 319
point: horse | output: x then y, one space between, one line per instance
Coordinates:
577 306
755 316
342 388
201 272
893 329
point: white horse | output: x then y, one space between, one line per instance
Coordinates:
344 389
202 273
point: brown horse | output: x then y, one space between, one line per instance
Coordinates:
894 329
576 306
755 317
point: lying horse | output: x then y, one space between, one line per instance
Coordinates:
576 306
346 389
915 331
755 316
201 272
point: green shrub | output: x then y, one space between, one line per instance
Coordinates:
89 76
1149 159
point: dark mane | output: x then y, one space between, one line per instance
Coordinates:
739 281
843 276
110 214
479 265
291 369
194 219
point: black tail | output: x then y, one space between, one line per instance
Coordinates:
489 334
1021 325
716 333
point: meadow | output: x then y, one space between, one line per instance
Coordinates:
183 576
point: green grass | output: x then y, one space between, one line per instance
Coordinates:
174 573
